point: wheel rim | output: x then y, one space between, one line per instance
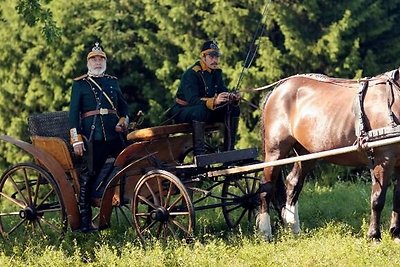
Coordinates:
240 200
30 203
162 207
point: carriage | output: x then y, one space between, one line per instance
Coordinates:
163 189
155 183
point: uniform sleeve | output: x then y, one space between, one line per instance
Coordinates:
74 108
122 106
191 88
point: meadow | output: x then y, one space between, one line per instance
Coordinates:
334 221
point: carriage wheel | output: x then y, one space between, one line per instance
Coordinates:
30 203
162 207
240 199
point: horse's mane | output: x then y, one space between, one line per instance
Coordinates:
383 77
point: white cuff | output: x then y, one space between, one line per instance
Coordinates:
77 143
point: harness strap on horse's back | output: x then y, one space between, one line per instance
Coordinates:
360 122
360 128
364 135
389 91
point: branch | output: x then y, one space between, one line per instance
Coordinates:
32 12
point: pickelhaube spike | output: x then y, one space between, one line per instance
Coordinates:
96 51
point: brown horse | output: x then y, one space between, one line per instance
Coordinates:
312 113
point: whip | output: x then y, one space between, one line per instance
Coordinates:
252 51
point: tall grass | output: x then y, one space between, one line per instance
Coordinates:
334 224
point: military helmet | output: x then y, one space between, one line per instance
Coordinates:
210 48
96 50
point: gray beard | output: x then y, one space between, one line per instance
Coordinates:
96 73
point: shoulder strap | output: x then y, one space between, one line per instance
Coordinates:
80 77
105 94
110 76
196 68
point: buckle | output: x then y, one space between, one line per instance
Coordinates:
103 111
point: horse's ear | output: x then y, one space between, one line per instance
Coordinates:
395 75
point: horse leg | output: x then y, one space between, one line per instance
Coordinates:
263 218
294 185
380 180
268 188
395 219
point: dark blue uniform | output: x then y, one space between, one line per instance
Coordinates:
94 113
85 97
195 94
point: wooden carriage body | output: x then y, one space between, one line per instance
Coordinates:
145 173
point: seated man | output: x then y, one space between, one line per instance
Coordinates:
202 97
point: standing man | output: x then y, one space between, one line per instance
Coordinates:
202 97
98 116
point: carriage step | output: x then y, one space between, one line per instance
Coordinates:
225 157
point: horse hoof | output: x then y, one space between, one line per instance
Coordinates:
374 240
396 240
296 231
267 238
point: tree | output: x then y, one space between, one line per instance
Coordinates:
33 12
151 43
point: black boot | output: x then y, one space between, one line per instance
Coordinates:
230 134
85 209
198 138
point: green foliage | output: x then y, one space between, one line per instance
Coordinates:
333 223
151 43
32 12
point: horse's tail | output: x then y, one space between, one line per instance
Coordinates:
264 102
279 197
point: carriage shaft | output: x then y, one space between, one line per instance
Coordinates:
317 155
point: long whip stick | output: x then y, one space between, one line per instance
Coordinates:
252 51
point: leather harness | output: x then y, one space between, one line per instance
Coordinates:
363 134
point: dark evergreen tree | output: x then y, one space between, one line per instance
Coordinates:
151 43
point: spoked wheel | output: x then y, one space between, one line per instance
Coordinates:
240 199
122 215
30 203
162 207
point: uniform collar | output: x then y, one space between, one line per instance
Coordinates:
204 66
94 75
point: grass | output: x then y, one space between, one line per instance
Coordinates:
334 224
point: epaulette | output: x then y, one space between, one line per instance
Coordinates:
196 68
110 76
80 77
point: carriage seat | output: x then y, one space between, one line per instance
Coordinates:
160 132
50 132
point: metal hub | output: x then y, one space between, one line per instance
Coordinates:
250 201
28 213
160 214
